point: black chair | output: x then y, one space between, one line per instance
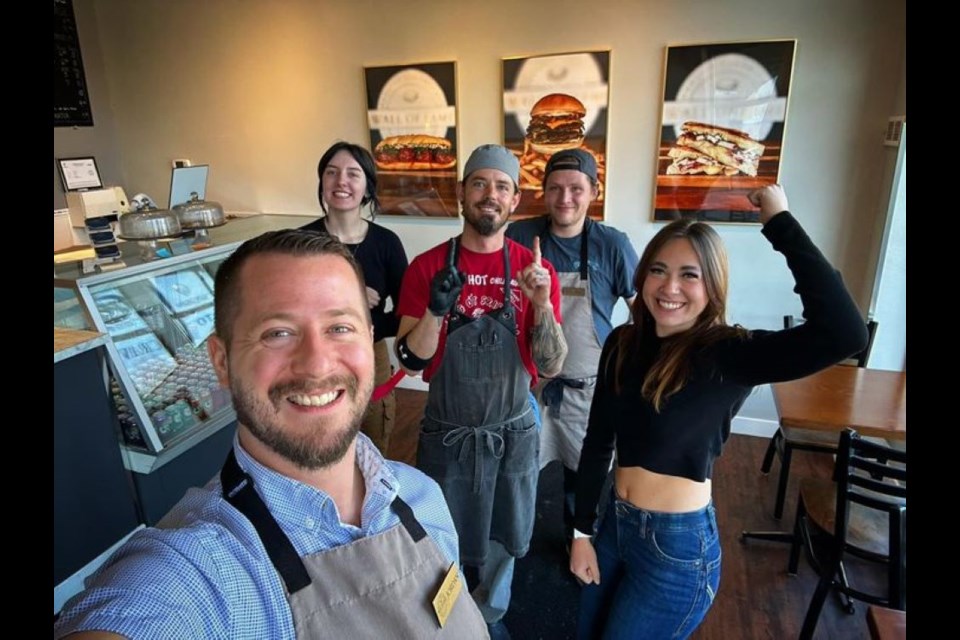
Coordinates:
863 514
788 439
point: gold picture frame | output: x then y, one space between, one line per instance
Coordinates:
413 122
582 82
722 128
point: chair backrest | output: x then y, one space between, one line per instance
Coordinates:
860 358
882 483
875 476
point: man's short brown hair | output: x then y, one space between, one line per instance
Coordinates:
291 242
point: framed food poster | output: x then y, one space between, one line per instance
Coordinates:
551 103
412 116
722 128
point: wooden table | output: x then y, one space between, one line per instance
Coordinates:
871 401
886 624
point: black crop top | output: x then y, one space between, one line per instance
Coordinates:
686 436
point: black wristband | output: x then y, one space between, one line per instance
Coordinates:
408 359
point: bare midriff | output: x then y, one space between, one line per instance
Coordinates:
658 492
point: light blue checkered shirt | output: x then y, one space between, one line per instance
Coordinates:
203 573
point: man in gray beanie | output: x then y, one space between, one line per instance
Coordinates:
480 318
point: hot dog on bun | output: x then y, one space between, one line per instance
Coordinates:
414 152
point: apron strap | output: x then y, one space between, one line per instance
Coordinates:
455 247
584 235
408 520
584 263
238 490
507 298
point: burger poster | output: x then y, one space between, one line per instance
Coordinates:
722 128
551 103
412 116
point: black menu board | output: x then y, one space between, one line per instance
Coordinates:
71 102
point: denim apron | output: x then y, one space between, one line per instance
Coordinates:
478 438
381 586
566 398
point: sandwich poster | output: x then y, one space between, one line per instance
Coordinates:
722 128
412 116
551 103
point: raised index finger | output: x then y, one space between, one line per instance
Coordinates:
537 257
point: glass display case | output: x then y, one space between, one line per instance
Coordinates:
158 316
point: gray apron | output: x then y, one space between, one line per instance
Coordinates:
566 398
381 586
479 439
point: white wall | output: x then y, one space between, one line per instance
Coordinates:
258 89
890 309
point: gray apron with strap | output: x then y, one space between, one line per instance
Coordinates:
566 398
479 439
381 586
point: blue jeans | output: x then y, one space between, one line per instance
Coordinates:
659 573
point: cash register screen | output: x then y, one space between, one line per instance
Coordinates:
186 181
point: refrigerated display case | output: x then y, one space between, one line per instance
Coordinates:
175 422
158 316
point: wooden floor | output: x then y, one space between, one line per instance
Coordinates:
757 599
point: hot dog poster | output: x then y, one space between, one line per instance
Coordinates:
550 103
722 129
412 117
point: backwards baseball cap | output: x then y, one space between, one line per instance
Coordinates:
493 156
573 159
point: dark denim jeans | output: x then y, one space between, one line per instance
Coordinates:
659 573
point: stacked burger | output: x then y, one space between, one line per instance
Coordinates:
711 150
556 123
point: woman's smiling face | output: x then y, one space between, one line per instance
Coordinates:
673 288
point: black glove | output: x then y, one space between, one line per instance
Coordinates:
446 285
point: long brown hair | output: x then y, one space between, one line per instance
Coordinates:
671 369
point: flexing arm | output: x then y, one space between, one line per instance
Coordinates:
546 340
834 328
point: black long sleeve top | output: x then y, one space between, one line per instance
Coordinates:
687 434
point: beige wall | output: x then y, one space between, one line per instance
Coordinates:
259 88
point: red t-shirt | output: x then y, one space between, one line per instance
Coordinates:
482 293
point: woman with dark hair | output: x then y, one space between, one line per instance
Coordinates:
668 387
348 182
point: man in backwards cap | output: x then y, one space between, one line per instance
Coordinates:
596 264
480 318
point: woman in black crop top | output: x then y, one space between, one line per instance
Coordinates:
348 182
667 390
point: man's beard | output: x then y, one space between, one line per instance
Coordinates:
321 447
483 223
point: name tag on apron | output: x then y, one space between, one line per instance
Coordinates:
447 594
578 292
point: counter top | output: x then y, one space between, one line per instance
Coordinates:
235 230
70 342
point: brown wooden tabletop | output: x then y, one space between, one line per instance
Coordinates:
871 401
886 624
